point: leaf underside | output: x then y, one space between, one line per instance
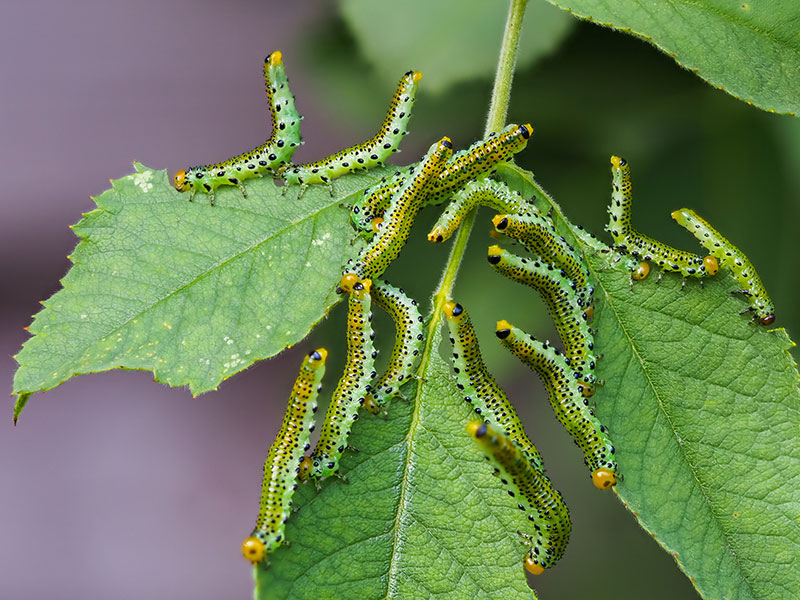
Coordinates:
471 36
749 49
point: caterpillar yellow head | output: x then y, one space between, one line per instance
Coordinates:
503 329
317 358
453 311
617 162
476 429
180 180
275 58
254 550
495 252
604 478
642 271
370 405
711 264
347 282
532 567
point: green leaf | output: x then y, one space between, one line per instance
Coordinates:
703 407
749 49
192 292
448 40
422 516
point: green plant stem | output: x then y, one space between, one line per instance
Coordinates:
495 120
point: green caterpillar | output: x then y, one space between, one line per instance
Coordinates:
371 153
479 387
349 394
570 406
558 293
730 256
479 159
484 192
407 343
629 241
394 231
538 234
265 159
283 460
534 493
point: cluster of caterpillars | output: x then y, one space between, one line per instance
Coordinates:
384 215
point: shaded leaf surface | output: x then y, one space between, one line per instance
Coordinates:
749 49
449 41
192 292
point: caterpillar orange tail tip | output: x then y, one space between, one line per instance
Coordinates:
254 550
604 479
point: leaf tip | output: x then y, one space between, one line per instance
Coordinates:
22 400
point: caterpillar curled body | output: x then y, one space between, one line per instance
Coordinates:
559 295
350 391
730 256
629 241
394 231
407 343
369 154
534 493
538 234
265 159
571 408
480 389
283 460
479 159
483 192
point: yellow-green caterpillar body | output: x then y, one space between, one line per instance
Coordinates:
480 389
730 256
569 404
265 159
534 493
283 461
